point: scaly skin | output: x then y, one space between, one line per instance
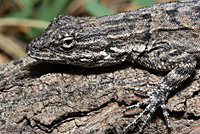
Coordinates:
163 37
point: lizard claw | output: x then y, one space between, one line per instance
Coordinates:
156 99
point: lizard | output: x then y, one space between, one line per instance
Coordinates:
164 37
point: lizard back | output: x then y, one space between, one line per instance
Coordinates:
108 40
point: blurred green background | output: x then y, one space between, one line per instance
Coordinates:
23 20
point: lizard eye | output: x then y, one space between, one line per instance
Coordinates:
68 42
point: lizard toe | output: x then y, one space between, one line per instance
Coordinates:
156 99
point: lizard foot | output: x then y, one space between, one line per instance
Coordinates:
156 98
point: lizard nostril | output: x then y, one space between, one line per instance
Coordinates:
27 49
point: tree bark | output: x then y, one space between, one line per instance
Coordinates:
42 98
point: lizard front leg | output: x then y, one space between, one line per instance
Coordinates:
180 64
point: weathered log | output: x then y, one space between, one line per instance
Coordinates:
50 98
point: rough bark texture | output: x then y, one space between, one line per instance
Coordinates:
50 98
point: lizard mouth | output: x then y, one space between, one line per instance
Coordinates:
53 56
50 56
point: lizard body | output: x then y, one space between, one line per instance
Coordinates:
163 37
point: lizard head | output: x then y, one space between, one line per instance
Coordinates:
74 40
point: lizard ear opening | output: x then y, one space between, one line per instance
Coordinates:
68 42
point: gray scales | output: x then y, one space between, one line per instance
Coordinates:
163 37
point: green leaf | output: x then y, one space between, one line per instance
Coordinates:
48 9
95 8
144 3
25 11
